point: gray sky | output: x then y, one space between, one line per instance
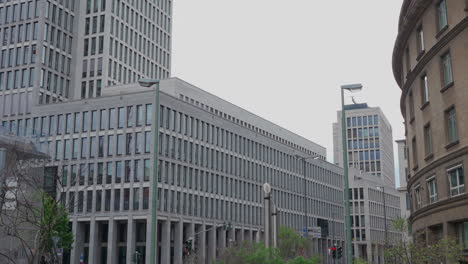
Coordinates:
285 60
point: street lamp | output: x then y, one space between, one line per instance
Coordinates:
150 83
382 188
304 176
349 250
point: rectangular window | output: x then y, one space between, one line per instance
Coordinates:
110 145
417 193
451 128
462 234
109 172
94 120
138 142
147 171
136 198
428 139
111 118
129 116
102 125
149 114
432 186
442 15
120 144
457 181
121 117
420 36
447 74
411 105
139 115
415 153
424 90
148 141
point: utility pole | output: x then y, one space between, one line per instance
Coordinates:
267 213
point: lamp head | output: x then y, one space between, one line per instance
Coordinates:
148 82
267 188
352 87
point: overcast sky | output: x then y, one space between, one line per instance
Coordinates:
285 60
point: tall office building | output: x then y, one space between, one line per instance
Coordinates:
53 51
403 173
214 159
369 139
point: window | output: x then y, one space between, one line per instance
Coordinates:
149 114
121 118
432 186
420 36
428 139
424 90
411 106
457 181
139 115
451 129
442 15
417 193
415 153
462 234
447 74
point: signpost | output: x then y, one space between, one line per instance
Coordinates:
316 232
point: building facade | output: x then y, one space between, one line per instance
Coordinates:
369 215
214 159
429 61
370 142
53 51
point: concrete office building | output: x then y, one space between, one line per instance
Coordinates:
429 65
54 50
214 159
370 142
367 215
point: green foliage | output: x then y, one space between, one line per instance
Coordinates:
291 244
359 261
446 250
292 249
54 223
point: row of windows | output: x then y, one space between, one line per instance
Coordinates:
456 187
362 121
451 134
88 91
54 83
124 74
19 33
94 6
363 144
244 124
55 38
15 104
20 78
18 12
363 132
365 155
92 26
373 167
59 16
58 62
93 46
22 56
125 54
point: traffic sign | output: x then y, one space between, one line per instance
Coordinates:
316 232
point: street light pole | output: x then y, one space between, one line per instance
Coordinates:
349 250
154 221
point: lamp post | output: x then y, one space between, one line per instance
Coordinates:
150 83
382 188
304 177
349 250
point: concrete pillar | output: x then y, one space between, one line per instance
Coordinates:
232 237
94 247
211 245
250 235
131 239
77 246
112 242
201 243
191 233
166 242
222 239
178 242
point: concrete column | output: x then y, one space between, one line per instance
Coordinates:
77 246
93 241
222 238
112 242
201 243
178 242
191 233
166 242
131 239
250 235
211 245
232 237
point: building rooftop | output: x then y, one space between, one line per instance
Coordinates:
356 106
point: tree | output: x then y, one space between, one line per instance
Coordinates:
406 252
29 215
290 245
